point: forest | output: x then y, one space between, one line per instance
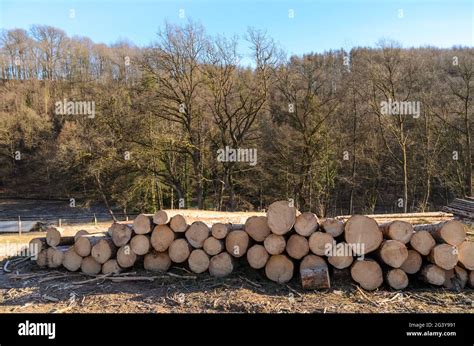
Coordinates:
374 129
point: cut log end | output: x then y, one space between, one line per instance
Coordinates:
72 261
444 256
157 261
412 264
197 233
161 218
221 265
397 279
281 217
401 231
179 250
257 228
178 223
367 273
363 234
236 243
142 224
320 243
334 227
433 274
423 242
306 224
257 256
279 268
198 261
90 266
111 267
126 258
275 244
162 237
297 246
393 253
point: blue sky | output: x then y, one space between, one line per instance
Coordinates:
318 25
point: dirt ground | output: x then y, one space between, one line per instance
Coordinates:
32 290
28 288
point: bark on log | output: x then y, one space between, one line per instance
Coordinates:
140 244
314 273
72 261
393 253
412 264
178 223
221 265
444 256
257 256
126 258
433 274
281 217
397 279
104 250
334 227
257 228
363 233
237 243
367 273
142 224
451 232
279 268
213 246
197 233
297 246
198 261
275 244
306 224
120 233
157 261
397 230
111 267
320 243
179 250
466 255
161 218
162 237
90 266
423 242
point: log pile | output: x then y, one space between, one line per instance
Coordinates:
282 245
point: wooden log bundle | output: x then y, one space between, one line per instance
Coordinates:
282 245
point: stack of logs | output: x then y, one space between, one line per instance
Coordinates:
277 244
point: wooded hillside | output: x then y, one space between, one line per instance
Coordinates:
161 114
